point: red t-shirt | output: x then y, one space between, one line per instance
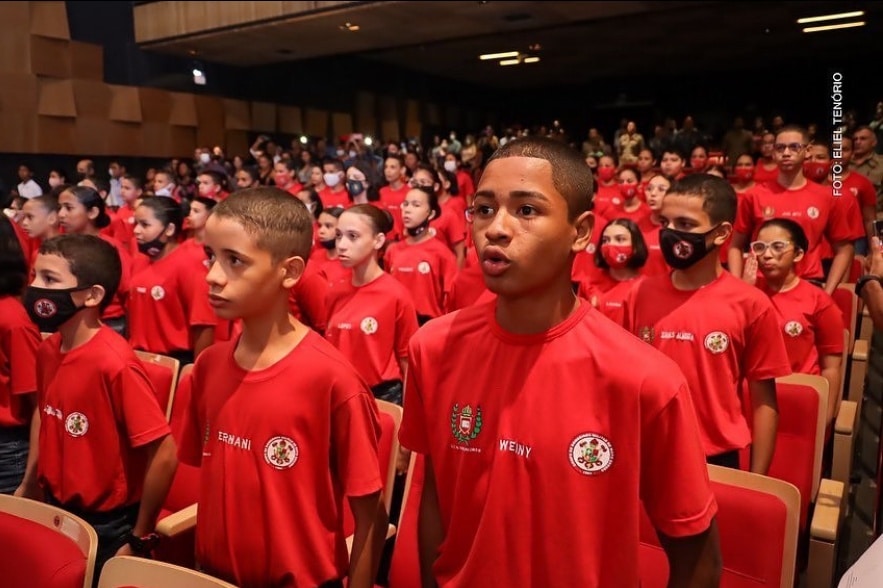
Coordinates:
861 187
655 265
117 306
468 284
606 197
19 340
122 228
331 198
811 324
539 436
371 326
719 335
609 300
450 227
426 269
811 206
392 200
331 269
279 450
763 175
166 299
97 408
29 245
465 185
306 300
639 216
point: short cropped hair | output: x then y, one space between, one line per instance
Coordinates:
49 201
92 261
718 196
570 174
794 129
280 223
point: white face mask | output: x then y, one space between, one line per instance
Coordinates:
451 166
205 157
110 172
54 182
164 192
340 152
331 180
353 154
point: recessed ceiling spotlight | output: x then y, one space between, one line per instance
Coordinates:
503 55
348 26
535 47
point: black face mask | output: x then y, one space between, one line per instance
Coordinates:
329 244
682 250
354 187
152 249
48 308
419 229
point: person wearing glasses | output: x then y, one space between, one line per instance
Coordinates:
807 203
811 322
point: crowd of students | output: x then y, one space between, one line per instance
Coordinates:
593 328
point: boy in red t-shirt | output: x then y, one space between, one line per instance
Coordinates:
540 448
718 329
280 423
100 444
19 340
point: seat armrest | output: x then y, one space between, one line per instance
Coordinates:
177 522
844 424
826 518
860 350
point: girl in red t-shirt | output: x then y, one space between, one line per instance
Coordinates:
620 258
743 174
325 256
422 262
450 225
168 304
655 191
82 211
370 316
811 322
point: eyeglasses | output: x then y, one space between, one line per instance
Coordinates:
793 147
778 247
417 184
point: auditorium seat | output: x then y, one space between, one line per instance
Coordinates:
137 572
758 525
50 547
163 373
388 451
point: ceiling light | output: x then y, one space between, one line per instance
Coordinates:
348 26
487 56
535 47
510 62
830 17
846 25
531 59
303 140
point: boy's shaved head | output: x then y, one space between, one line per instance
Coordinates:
718 196
570 174
279 222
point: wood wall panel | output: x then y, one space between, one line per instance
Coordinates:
87 61
19 132
50 57
263 116
92 99
18 93
125 104
291 120
48 19
389 119
366 113
237 115
183 111
236 143
341 124
15 56
316 122
55 135
156 105
413 125
56 97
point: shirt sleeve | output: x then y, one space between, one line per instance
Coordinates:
683 504
136 406
193 290
191 433
838 229
310 292
456 226
745 215
22 353
355 441
829 328
406 326
412 433
867 196
765 356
